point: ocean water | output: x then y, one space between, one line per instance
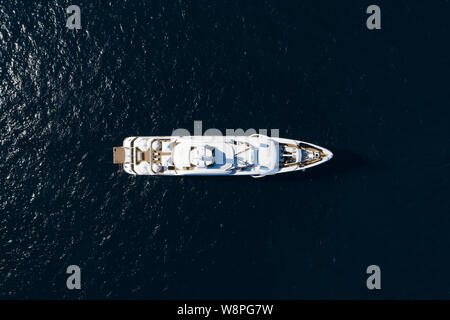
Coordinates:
378 99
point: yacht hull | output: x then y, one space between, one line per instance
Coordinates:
254 155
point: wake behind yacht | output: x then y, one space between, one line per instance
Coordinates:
256 155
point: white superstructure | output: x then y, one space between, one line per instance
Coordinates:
255 155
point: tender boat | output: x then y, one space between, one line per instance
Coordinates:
256 155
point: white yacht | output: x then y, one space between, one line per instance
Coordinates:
256 155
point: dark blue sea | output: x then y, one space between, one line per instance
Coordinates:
379 99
